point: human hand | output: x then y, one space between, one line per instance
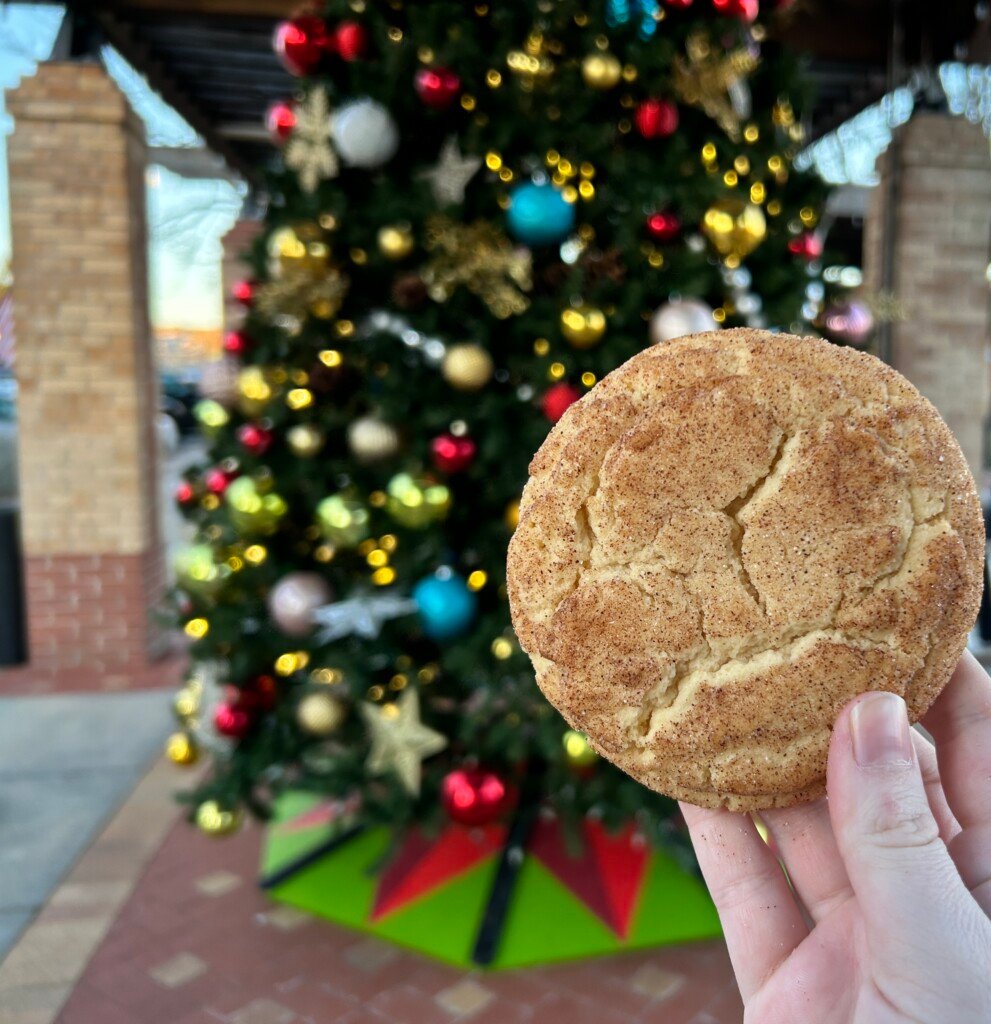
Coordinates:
887 917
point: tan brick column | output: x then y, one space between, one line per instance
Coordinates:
942 240
87 390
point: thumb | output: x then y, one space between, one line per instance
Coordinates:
901 873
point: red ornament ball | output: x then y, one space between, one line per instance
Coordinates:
236 343
745 10
280 120
244 292
185 493
350 41
474 797
679 5
300 43
218 480
557 399
232 721
257 694
256 440
452 454
663 226
656 119
437 87
807 245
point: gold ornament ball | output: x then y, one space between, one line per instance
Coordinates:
297 250
181 750
467 367
211 416
304 440
734 226
371 439
415 502
583 326
255 391
186 703
344 521
214 820
319 714
197 572
251 510
601 70
395 241
577 749
512 515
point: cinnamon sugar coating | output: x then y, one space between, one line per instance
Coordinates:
724 541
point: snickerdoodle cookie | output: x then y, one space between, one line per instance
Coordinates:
728 538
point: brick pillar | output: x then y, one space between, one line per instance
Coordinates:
942 239
87 452
235 244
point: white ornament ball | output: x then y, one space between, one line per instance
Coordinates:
679 317
219 381
294 599
364 133
371 439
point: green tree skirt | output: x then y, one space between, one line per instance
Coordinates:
432 895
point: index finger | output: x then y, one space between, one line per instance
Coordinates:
761 921
960 723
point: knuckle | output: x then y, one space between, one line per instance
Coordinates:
901 820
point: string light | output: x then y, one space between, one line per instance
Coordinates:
477 580
197 628
588 378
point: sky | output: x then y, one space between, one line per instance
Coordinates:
186 217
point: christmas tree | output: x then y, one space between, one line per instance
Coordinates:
475 212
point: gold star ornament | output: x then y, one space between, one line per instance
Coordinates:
400 740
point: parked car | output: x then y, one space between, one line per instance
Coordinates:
177 396
8 396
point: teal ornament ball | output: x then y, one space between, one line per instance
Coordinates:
539 214
445 604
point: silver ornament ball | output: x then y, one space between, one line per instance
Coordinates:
295 598
679 317
365 133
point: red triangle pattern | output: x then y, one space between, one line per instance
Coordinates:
423 865
578 872
622 864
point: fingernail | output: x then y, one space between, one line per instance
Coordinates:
879 727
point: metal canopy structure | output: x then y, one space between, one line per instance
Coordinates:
212 60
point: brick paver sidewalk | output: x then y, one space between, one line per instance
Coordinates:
193 941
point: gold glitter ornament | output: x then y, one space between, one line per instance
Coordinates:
601 71
583 326
467 367
715 81
479 257
320 714
416 502
395 241
734 227
343 521
297 250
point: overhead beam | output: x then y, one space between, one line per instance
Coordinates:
122 38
